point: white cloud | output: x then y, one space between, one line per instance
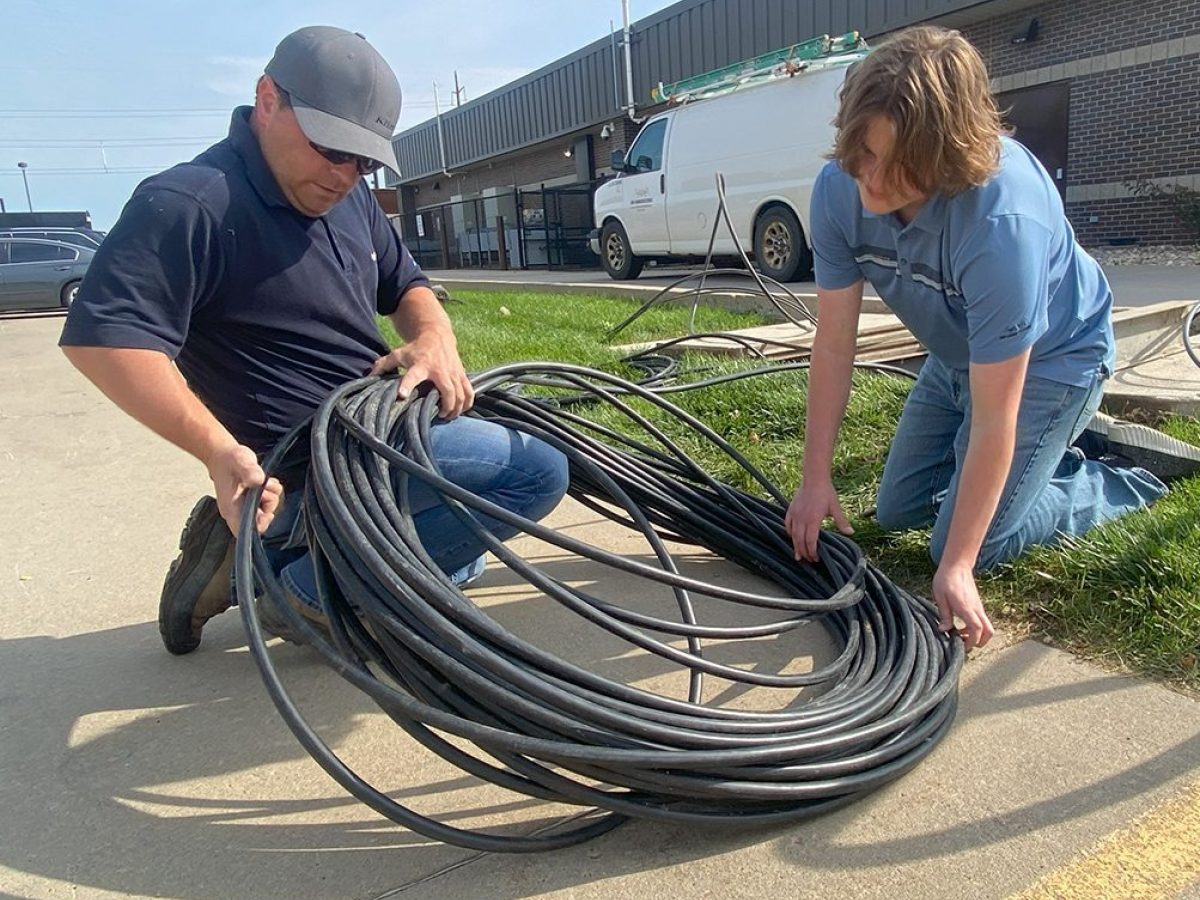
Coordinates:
234 76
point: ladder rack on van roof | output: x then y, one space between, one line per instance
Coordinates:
778 63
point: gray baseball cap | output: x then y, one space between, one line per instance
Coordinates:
344 95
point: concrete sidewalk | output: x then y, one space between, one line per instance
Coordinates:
125 772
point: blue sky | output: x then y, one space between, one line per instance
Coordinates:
75 69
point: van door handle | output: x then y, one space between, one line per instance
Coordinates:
662 183
62 268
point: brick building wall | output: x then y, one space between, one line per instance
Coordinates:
1134 75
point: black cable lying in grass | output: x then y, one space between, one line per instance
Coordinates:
1187 333
402 633
790 306
663 373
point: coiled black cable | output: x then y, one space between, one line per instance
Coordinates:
405 635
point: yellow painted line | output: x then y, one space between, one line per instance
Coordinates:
1156 857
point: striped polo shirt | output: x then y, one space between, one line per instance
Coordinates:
978 277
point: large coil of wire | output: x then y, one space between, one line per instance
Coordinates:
437 663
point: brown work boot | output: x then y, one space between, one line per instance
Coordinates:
197 586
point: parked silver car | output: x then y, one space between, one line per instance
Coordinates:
37 273
80 237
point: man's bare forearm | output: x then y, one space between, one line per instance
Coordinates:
420 313
147 386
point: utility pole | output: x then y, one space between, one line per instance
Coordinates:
459 92
23 166
437 114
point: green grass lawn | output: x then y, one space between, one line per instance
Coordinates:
1127 593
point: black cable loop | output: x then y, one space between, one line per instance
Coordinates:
792 309
536 723
1188 343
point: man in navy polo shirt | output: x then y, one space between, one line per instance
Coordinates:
236 291
963 235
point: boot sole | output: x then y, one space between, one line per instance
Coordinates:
1160 454
189 574
1101 424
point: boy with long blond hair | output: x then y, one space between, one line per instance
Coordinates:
962 233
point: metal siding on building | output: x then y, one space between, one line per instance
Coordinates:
708 29
562 119
515 119
449 130
683 48
775 17
536 108
585 89
720 31
429 144
589 110
662 45
568 101
502 124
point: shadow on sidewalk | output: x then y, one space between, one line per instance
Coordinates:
128 770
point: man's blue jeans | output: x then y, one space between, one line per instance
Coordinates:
523 474
1051 488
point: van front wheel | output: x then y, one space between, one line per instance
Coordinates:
615 253
779 247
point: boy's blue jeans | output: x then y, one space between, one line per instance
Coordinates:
521 473
1051 489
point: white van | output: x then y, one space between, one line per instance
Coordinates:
769 141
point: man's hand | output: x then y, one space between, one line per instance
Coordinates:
815 500
955 593
433 356
234 470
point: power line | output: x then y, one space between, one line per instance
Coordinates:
134 113
111 170
78 114
106 143
115 110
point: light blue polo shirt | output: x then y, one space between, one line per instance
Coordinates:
978 277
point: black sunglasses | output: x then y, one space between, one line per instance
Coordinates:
338 158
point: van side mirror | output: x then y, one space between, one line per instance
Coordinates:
618 161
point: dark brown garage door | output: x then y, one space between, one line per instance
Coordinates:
1039 115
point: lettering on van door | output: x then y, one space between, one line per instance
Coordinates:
641 196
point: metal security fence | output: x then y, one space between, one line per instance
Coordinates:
559 231
546 228
480 233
